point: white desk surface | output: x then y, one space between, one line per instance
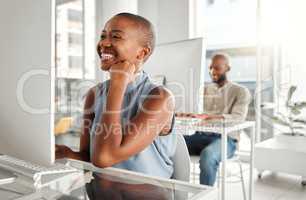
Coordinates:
217 127
109 181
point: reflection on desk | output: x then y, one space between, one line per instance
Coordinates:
107 187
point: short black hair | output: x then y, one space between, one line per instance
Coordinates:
147 27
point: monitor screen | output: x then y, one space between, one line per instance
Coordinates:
182 64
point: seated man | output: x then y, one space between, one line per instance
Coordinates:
222 100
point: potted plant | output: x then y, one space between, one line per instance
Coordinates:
291 118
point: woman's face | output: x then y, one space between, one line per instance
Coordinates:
120 40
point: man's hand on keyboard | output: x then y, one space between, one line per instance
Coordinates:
185 115
202 116
62 151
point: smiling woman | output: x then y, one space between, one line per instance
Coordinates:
127 119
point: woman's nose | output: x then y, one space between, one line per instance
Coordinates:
105 42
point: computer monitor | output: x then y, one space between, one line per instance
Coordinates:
27 80
182 63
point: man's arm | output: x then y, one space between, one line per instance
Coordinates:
239 110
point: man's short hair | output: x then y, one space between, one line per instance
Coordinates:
146 25
221 55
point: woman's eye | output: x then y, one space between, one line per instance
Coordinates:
102 37
116 36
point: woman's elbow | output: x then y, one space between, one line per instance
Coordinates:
103 161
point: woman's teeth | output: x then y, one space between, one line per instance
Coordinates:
106 56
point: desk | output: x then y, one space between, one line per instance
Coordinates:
224 128
109 183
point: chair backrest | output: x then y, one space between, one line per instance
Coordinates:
181 160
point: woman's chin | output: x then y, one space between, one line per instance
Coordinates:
105 67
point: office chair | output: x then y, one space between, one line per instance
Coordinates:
195 160
181 160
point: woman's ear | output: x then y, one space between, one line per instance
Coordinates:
144 54
228 68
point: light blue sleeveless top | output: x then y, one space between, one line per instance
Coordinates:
156 158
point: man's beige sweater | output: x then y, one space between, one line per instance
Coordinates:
231 100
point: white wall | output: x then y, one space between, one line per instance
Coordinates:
171 18
26 44
106 9
229 23
149 10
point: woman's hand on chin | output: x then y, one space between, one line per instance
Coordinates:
123 71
